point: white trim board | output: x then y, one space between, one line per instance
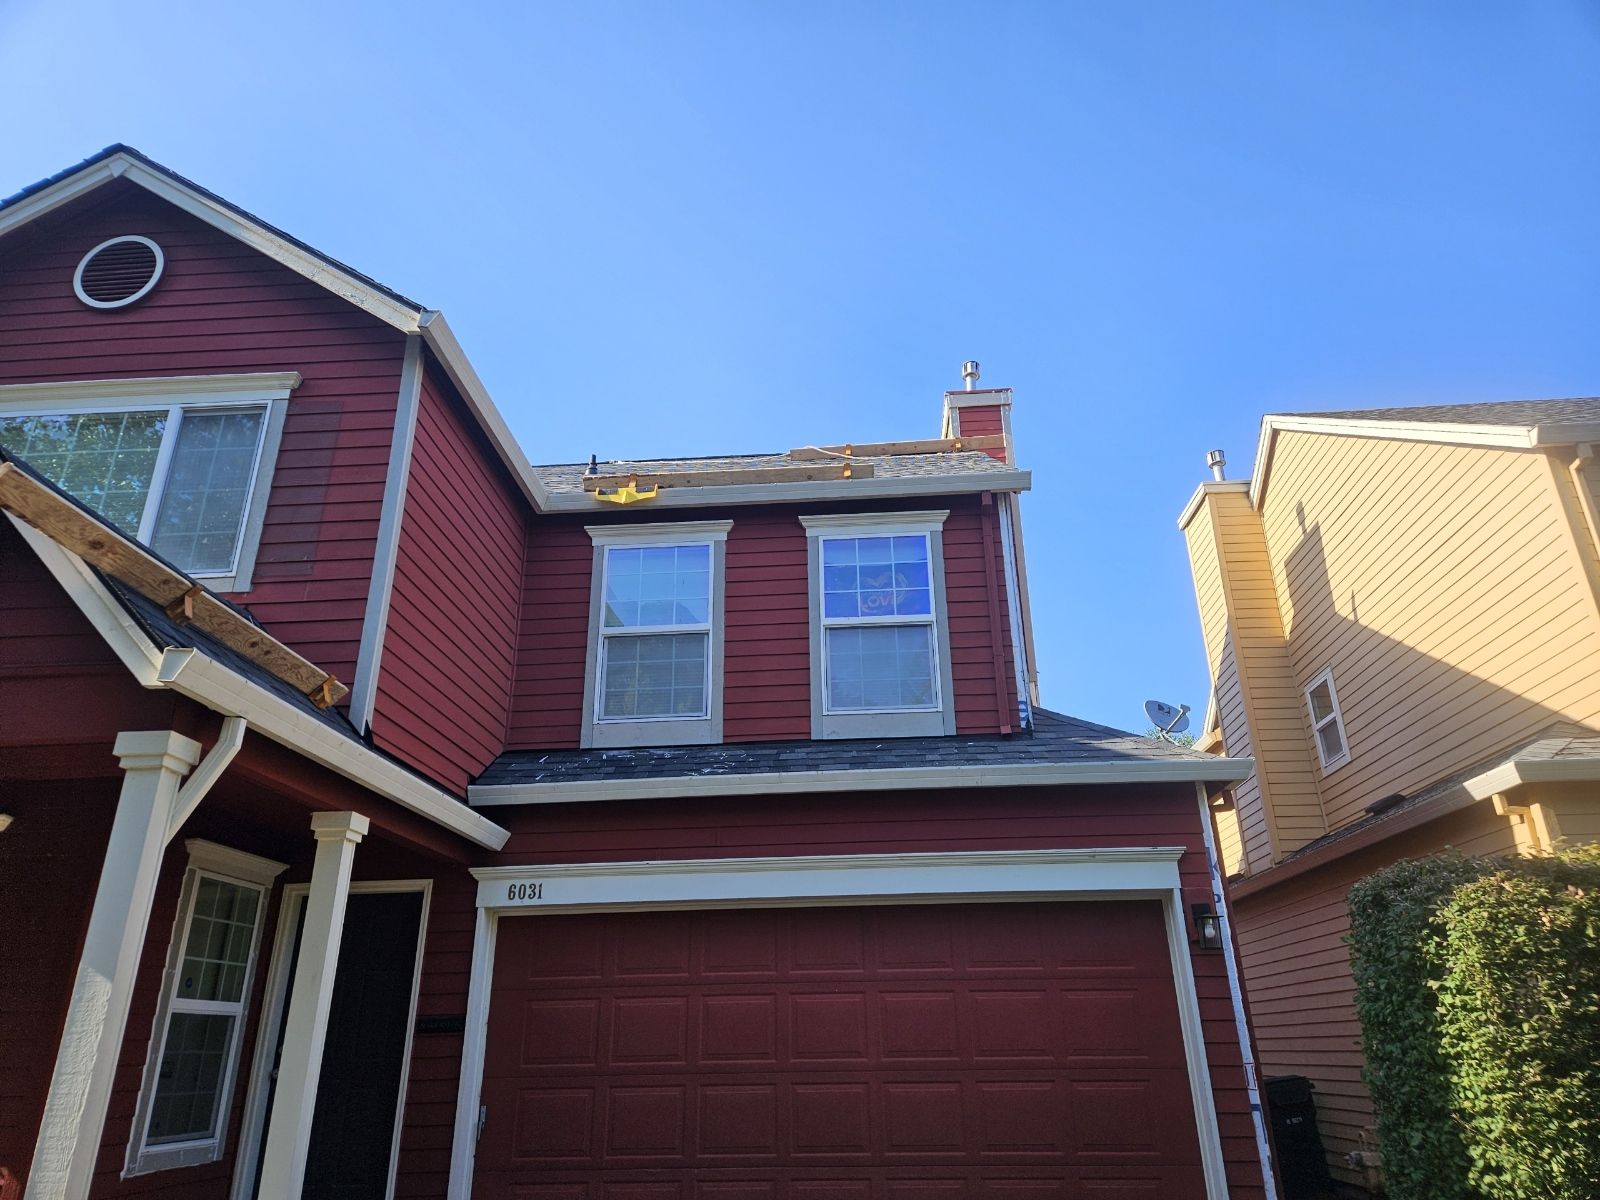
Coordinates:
879 487
253 1123
1143 872
1212 770
224 691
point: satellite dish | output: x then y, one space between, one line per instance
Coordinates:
1166 717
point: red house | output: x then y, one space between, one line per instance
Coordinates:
385 816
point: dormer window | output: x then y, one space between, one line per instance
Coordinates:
178 464
654 674
880 643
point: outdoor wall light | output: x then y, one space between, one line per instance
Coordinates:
5 821
1207 927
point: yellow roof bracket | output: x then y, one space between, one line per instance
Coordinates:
628 493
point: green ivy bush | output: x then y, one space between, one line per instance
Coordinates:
1478 989
1518 968
1393 915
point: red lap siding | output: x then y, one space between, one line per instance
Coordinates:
766 631
221 307
444 687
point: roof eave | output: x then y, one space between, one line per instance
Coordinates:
1214 770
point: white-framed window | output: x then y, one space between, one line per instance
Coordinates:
880 634
1327 722
183 464
655 654
183 1107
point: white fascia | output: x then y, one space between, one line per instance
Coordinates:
1212 770
203 680
1506 437
876 488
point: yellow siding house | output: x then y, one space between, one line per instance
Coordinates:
1401 611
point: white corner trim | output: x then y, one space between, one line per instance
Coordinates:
978 398
480 981
380 590
879 487
658 532
1213 770
1210 487
874 523
235 864
193 674
836 878
258 385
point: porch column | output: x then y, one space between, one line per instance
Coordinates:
154 763
283 1161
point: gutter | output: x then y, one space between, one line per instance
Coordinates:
1214 770
877 488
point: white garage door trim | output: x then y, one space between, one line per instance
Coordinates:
1122 873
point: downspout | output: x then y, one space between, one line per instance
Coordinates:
1236 994
201 779
1019 647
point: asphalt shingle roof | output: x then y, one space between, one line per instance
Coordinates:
1577 410
567 478
1056 738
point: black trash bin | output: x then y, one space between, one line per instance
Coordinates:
1302 1162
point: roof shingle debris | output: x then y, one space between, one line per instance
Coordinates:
567 478
1056 738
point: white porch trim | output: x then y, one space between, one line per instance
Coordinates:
294 1104
1124 873
154 763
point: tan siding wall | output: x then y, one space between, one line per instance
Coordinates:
1279 810
1297 971
1444 587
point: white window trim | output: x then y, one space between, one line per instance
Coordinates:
933 721
206 860
961 877
268 391
1329 765
655 731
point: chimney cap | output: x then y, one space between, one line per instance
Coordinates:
1216 460
969 373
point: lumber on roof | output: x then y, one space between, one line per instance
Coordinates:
123 559
832 469
983 441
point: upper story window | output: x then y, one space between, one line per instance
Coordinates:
1327 723
199 1028
181 464
880 643
655 647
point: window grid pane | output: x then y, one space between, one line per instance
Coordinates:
657 587
208 485
877 668
875 577
1332 744
217 952
106 460
654 675
190 1078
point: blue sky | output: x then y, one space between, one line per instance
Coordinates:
720 227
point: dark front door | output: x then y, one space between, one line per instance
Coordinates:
358 1093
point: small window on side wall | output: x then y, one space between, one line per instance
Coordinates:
654 673
195 1043
880 643
1327 722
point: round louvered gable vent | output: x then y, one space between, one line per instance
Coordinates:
118 272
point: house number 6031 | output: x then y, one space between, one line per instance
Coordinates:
525 891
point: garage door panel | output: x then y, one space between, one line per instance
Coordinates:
809 1054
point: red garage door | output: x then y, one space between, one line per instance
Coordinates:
1016 1050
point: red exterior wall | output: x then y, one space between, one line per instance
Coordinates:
449 654
1003 819
221 308
766 671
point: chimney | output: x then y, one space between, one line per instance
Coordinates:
980 412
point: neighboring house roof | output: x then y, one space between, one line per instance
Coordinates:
1061 749
1561 752
1507 424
